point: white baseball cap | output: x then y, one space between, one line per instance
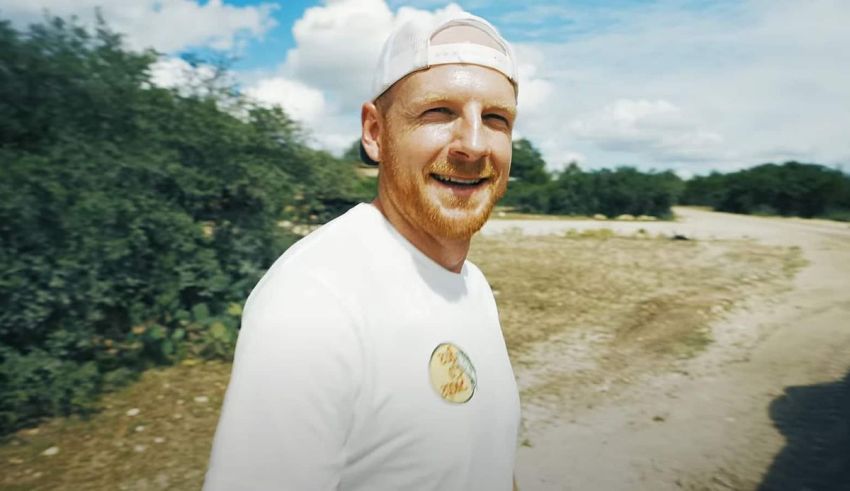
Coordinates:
455 37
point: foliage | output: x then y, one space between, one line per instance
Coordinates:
790 189
624 190
527 164
133 219
352 153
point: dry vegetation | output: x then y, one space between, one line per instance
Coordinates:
654 293
591 311
607 306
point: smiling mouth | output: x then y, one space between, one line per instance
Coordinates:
457 181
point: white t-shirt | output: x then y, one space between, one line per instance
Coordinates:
362 364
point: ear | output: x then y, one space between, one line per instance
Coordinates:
371 131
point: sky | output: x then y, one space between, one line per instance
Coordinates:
691 86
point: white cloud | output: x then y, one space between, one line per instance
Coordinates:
724 86
534 91
654 129
337 46
301 102
166 25
175 72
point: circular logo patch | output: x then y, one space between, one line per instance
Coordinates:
452 374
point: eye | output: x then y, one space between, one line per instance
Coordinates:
498 119
439 111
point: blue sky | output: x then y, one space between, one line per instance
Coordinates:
529 27
531 20
267 51
685 85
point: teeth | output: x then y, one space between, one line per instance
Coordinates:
454 180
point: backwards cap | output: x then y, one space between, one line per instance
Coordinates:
457 38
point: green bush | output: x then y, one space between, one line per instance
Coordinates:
39 382
134 220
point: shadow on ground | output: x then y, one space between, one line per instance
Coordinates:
815 420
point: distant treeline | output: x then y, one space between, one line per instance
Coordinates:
790 189
573 191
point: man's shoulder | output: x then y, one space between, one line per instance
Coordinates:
326 257
475 276
474 270
337 240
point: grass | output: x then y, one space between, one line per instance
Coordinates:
650 292
164 446
620 302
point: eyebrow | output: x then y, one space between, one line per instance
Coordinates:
436 99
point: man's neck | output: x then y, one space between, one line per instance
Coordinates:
448 253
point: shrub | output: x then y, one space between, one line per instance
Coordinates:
133 219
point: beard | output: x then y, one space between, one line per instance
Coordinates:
439 212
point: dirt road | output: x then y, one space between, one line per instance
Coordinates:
766 406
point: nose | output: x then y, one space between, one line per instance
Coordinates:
470 140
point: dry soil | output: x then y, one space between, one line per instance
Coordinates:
765 406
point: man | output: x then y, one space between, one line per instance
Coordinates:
370 355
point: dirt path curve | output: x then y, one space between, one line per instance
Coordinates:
766 406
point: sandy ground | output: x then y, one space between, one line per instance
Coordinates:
766 406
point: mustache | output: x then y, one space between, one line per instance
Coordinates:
481 168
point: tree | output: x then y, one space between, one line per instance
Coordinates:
527 164
352 153
792 188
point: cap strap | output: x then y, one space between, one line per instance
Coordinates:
471 53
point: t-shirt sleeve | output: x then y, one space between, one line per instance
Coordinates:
288 408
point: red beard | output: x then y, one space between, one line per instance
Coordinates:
416 195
